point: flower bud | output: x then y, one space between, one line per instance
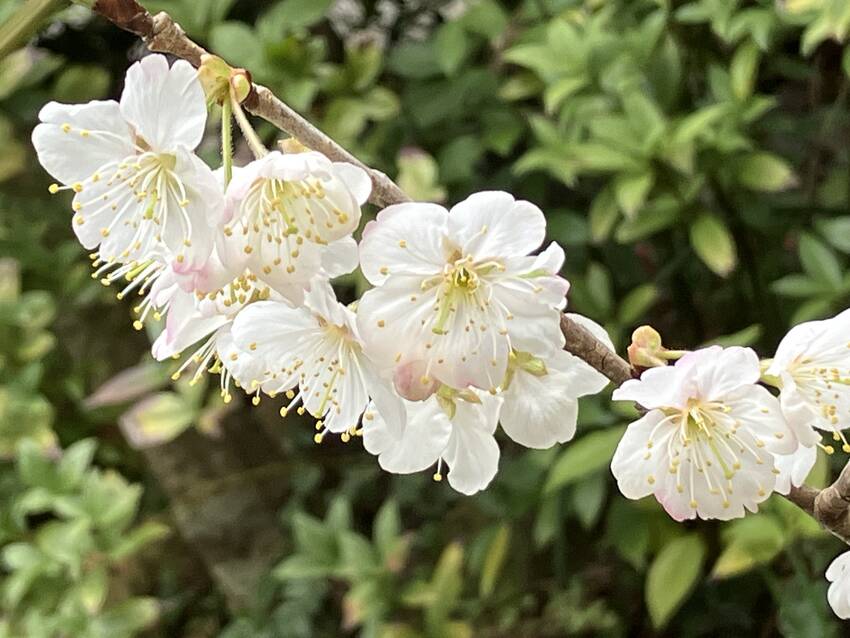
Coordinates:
240 82
214 75
412 383
646 349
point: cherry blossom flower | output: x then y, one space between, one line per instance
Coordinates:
464 440
290 216
838 595
812 369
141 196
706 447
206 311
315 356
456 291
541 396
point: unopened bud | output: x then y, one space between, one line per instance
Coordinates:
646 349
214 76
292 145
412 383
240 81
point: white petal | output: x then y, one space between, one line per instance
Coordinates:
166 106
492 224
794 468
722 370
404 239
838 573
422 441
340 258
656 388
635 461
799 412
96 136
184 325
472 452
758 412
247 369
355 179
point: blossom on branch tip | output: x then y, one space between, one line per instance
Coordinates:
706 446
457 290
289 217
811 367
140 193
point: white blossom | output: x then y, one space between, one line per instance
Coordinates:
838 575
706 447
463 441
541 395
141 196
812 368
314 355
457 291
289 217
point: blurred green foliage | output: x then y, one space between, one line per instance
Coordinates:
691 156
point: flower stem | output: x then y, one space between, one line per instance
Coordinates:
254 142
227 141
24 23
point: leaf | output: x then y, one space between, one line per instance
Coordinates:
301 566
126 618
672 576
631 191
748 542
604 213
493 561
290 15
129 384
157 419
743 70
237 43
713 243
637 303
452 45
75 462
764 172
836 230
798 285
589 454
819 261
387 528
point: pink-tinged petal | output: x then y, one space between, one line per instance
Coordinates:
492 224
404 239
184 326
723 370
74 141
166 105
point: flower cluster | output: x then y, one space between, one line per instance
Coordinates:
715 441
459 334
461 331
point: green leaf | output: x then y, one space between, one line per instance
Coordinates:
713 243
748 542
744 69
494 560
80 83
301 566
631 191
819 262
637 303
126 618
836 230
798 285
604 213
237 43
764 172
452 45
387 528
672 576
75 462
589 454
298 14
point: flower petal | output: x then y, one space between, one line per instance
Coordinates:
166 105
75 140
493 224
635 460
422 441
404 239
472 452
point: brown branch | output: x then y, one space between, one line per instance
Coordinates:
829 506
